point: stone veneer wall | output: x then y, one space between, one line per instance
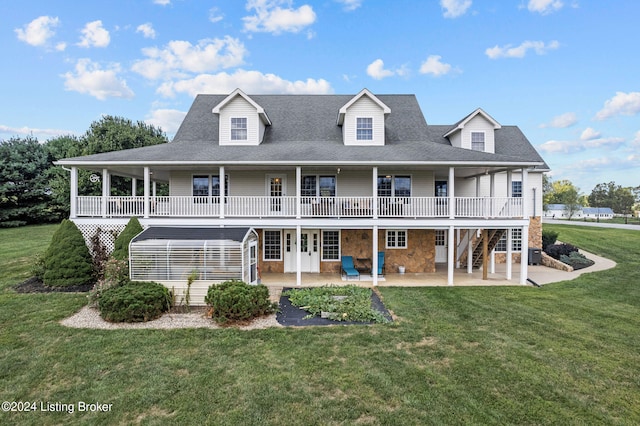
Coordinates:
419 256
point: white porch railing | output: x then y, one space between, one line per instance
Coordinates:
263 206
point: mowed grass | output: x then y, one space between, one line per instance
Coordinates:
568 353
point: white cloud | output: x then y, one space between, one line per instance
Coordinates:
350 5
544 7
571 147
270 17
508 51
455 8
434 66
562 121
61 46
589 134
253 82
38 31
215 15
90 79
636 139
28 131
162 2
179 57
94 35
621 104
377 71
146 30
168 120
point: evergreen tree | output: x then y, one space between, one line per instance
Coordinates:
121 246
67 261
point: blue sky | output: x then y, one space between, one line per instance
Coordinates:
564 71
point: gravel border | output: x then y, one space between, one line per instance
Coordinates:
89 317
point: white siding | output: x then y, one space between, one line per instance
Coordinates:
479 124
238 108
363 107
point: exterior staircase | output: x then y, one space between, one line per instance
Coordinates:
494 235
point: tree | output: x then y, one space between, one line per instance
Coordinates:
24 193
121 245
67 261
564 192
619 199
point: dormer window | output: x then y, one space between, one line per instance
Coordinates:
364 128
477 141
238 128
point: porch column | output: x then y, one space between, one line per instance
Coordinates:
221 180
509 253
492 185
374 259
154 189
73 202
470 251
298 195
524 255
147 182
374 192
525 193
451 189
450 255
298 255
105 191
485 254
134 186
492 262
509 185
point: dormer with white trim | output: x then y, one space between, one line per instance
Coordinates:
362 120
241 120
475 132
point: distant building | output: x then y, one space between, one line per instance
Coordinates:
559 211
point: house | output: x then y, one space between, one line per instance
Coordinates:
316 177
597 213
560 211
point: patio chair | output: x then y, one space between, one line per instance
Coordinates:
348 269
380 263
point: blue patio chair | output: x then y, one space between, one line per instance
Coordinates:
348 269
380 263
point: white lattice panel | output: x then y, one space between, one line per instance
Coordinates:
108 234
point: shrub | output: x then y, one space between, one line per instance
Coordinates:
67 261
576 260
558 250
121 245
234 301
115 274
548 238
135 301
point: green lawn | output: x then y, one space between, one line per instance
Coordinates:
568 353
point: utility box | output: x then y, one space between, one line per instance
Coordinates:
535 256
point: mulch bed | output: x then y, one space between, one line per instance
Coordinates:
290 315
35 285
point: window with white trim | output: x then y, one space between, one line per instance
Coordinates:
272 245
313 186
330 245
396 239
238 128
394 186
516 188
516 241
364 128
477 141
208 186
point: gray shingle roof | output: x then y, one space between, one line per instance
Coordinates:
304 130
